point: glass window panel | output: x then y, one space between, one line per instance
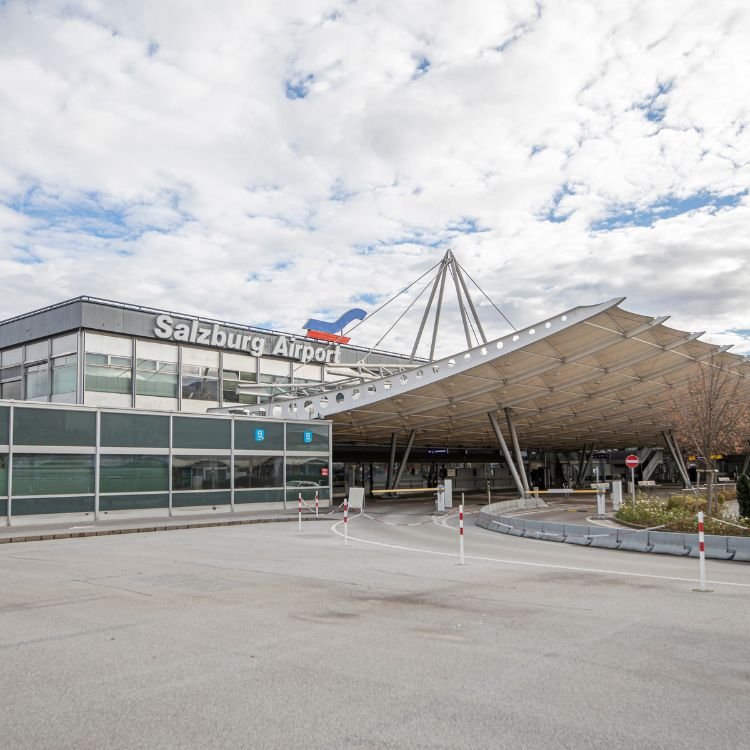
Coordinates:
156 378
4 474
38 350
197 432
258 471
11 357
37 381
133 502
11 389
11 372
65 344
52 474
200 473
108 373
123 430
306 473
200 383
133 473
186 499
231 379
259 496
262 436
310 436
64 374
54 427
27 506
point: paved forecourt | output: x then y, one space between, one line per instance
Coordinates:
259 636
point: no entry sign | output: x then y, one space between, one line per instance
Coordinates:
632 461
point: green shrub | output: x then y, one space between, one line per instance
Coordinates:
677 513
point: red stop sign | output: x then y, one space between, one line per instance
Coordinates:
632 461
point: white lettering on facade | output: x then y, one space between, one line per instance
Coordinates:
167 329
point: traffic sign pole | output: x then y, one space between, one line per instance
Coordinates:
631 462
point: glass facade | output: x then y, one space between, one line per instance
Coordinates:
156 378
201 473
133 473
53 474
57 452
200 383
108 373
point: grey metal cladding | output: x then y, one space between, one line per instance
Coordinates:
40 325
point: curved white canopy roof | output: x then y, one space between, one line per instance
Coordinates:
591 374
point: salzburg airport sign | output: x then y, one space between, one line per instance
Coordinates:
218 337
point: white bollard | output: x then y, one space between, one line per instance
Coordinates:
461 532
299 511
316 503
346 522
701 552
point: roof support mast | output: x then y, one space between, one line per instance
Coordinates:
449 265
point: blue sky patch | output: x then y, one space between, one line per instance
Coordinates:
553 213
654 105
665 208
423 65
298 87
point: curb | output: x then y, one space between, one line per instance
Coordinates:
49 536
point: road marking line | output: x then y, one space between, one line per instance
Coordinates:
571 568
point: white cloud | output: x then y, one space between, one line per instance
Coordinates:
152 154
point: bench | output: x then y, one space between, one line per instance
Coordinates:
647 483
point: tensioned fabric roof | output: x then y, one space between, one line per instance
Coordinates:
595 374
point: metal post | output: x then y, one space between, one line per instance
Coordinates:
346 521
171 470
391 462
701 553
437 314
676 457
404 459
10 465
316 503
506 453
97 463
689 484
470 301
299 511
461 307
461 532
231 464
424 317
632 482
517 450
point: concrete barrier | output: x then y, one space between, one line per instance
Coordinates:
634 541
661 542
740 545
668 543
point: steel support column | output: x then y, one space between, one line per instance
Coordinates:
517 450
674 450
404 459
506 453
391 462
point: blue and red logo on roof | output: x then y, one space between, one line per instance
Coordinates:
325 331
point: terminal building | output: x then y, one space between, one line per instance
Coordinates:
107 407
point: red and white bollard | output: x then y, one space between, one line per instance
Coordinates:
346 521
702 551
299 510
461 531
316 503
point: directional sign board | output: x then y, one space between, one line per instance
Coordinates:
632 461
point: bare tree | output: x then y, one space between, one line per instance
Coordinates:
711 415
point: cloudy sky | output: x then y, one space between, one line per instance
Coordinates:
264 161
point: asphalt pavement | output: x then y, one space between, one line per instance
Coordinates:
259 636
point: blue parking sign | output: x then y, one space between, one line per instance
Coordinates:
260 435
307 437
